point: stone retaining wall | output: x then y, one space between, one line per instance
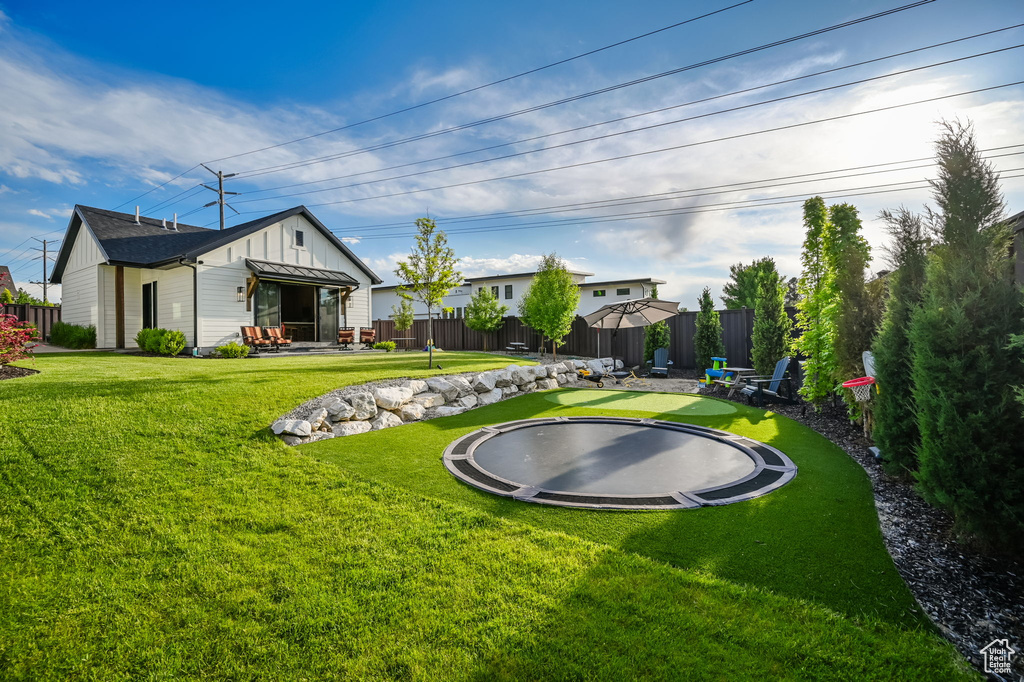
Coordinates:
375 406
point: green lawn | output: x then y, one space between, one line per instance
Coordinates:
151 527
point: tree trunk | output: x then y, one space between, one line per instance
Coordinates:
430 338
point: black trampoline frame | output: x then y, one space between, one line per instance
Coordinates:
772 470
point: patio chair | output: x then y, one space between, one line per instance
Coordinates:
367 337
660 363
277 336
254 338
767 388
346 337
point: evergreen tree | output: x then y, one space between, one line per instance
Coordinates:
771 333
855 322
657 335
970 460
707 340
895 432
816 310
484 313
741 290
549 305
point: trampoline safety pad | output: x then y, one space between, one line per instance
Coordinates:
617 463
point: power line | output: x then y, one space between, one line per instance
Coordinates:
656 151
161 185
332 157
486 85
619 133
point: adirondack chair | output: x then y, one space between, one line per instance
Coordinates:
660 363
254 338
767 388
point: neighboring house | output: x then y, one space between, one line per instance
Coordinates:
122 273
509 289
7 281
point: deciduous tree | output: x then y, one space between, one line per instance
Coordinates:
549 304
484 313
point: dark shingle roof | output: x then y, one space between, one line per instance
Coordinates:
148 244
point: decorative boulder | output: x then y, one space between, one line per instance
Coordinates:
292 427
445 411
546 384
490 397
485 382
416 386
464 385
384 420
522 375
506 391
552 371
618 364
293 440
363 405
444 387
529 387
391 398
411 412
539 372
562 378
570 365
596 366
428 399
468 401
608 362
317 419
578 364
351 428
339 410
320 435
502 378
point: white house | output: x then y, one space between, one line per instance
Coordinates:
508 289
122 273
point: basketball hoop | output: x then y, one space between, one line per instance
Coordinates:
861 388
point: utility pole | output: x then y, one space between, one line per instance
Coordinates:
220 192
45 257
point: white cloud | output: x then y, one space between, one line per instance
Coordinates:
351 240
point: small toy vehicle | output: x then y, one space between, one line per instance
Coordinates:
590 376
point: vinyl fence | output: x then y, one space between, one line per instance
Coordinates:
42 316
628 344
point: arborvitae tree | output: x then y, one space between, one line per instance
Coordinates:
855 323
484 313
549 305
656 335
816 309
741 290
895 432
707 341
970 460
771 333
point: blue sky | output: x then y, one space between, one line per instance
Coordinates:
104 102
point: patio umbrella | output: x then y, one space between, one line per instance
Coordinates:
638 312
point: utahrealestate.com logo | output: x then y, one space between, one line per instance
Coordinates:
997 656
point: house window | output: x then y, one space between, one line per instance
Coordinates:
508 291
598 292
149 320
494 292
299 239
622 292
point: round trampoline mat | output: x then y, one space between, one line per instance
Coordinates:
617 463
659 403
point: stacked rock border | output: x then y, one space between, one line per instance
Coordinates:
382 405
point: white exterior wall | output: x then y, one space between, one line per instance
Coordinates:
223 270
590 303
80 291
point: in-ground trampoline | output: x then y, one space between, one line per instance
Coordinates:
617 463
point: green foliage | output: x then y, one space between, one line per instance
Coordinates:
657 335
817 308
855 313
429 273
741 291
403 315
772 327
707 340
384 345
232 350
6 297
172 343
895 431
1017 344
969 461
549 304
72 335
484 313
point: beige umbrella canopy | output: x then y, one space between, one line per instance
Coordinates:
637 312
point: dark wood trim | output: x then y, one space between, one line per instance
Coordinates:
119 306
250 291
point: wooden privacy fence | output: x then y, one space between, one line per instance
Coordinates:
628 344
42 316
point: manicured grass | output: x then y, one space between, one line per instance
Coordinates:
151 527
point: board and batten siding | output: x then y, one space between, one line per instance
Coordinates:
80 302
223 270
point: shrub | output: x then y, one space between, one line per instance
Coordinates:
771 333
707 341
384 345
855 316
13 336
149 340
72 335
232 350
172 343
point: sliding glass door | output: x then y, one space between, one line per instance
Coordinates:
328 314
268 304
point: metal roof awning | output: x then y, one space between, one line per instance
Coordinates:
283 272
